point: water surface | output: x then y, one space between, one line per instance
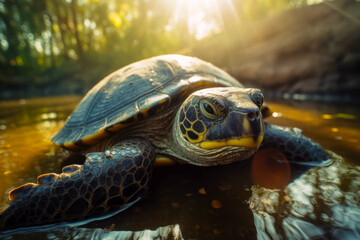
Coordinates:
206 202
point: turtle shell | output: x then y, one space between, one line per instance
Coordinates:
134 93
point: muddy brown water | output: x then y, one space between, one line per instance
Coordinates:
207 202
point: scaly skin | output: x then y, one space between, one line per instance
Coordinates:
106 182
297 148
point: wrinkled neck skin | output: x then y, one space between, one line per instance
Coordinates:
193 154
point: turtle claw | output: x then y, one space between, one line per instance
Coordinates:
46 178
21 191
102 185
71 168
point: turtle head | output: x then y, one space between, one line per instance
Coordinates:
219 125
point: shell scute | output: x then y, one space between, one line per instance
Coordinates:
136 92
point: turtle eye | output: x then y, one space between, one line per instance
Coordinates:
257 97
212 110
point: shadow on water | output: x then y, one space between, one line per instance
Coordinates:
207 203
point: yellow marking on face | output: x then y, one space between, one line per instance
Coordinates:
199 139
202 132
90 140
241 142
164 161
246 125
189 100
190 128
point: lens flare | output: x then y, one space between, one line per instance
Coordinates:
270 169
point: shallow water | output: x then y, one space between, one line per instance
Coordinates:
207 203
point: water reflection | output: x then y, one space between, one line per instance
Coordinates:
26 151
171 232
324 202
207 203
335 127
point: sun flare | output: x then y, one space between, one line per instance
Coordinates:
202 16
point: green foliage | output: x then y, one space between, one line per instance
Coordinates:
71 44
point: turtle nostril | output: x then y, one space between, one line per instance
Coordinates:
251 116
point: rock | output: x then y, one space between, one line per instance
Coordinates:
313 49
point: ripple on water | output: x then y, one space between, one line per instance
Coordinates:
324 202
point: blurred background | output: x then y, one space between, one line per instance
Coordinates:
302 49
53 51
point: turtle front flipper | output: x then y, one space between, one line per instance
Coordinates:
106 182
297 148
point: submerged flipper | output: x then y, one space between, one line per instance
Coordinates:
297 148
105 183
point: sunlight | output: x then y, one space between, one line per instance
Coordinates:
202 16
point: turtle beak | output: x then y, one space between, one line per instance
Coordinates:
253 126
242 129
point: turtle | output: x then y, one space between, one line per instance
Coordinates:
169 106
